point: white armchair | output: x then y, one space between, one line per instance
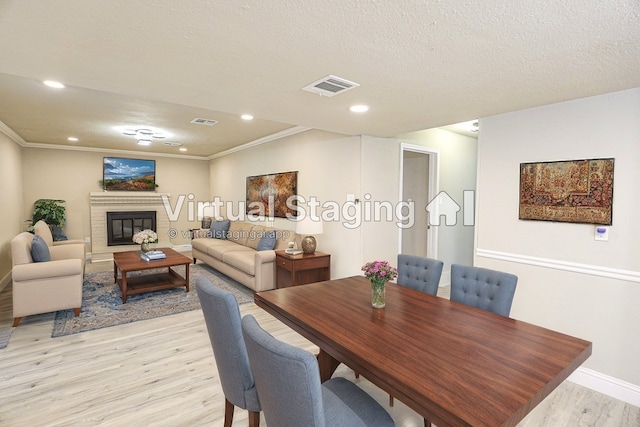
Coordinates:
42 287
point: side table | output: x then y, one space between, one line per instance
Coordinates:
301 269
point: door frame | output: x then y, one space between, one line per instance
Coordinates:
432 191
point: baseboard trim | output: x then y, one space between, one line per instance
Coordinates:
614 387
592 270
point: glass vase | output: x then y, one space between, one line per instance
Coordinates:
377 293
145 247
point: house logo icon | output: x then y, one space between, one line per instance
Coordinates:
444 205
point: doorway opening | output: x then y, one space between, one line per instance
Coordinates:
418 185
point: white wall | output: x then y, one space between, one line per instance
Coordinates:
457 174
331 166
328 168
568 281
72 175
11 214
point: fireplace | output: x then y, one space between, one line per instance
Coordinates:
103 202
121 226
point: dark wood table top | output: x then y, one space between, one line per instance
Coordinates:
131 261
454 364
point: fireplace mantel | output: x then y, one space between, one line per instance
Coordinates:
120 201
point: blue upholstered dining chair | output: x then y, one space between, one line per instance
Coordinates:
222 317
419 273
483 288
290 392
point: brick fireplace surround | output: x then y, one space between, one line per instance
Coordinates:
116 201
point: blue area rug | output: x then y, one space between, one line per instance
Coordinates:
5 334
102 301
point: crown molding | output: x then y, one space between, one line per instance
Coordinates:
265 139
12 135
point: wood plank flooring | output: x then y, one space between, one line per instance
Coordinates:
161 372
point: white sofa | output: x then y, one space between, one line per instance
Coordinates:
237 255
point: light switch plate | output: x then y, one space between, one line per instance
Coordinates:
601 233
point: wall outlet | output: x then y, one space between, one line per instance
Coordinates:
87 239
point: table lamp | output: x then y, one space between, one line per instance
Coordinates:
307 227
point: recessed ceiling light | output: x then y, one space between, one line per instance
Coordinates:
246 117
144 142
183 149
359 108
72 139
53 84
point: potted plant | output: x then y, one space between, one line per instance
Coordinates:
50 211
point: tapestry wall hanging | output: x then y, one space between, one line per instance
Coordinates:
267 195
578 191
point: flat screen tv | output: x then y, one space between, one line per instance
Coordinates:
120 174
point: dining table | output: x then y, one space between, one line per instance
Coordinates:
453 364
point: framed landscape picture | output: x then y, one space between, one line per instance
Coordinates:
578 191
121 174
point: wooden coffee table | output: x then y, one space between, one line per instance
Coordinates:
126 262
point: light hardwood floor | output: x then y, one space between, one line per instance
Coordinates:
161 372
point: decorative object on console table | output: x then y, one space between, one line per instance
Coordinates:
379 273
145 239
308 226
301 269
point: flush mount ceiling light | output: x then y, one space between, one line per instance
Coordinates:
246 117
53 84
144 136
72 139
359 108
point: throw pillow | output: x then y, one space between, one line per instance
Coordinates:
40 250
219 229
267 242
58 234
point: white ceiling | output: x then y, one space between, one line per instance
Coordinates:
420 64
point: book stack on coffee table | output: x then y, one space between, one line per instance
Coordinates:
152 255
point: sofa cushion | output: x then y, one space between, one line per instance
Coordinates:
256 233
239 232
219 229
242 260
268 241
219 251
40 250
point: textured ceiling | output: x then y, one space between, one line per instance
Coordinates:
420 64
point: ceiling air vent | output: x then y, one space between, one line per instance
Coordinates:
330 86
206 122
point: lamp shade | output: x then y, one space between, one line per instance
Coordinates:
309 225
